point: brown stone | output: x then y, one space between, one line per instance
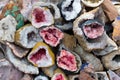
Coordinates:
110 10
112 60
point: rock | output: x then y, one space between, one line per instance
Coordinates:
41 55
112 75
41 77
27 36
59 75
41 16
116 30
87 72
92 3
49 71
73 77
94 43
111 46
117 72
20 64
109 10
69 41
17 50
89 58
70 9
112 60
51 35
102 76
8 71
27 77
7 29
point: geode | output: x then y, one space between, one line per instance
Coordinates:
89 58
17 50
41 55
7 29
112 60
27 36
68 60
8 71
59 75
111 46
112 75
21 64
41 16
51 35
70 9
92 3
52 7
89 32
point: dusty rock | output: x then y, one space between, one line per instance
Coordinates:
20 64
90 58
88 45
109 9
8 71
112 75
102 76
7 29
69 41
111 46
27 36
112 60
17 50
27 77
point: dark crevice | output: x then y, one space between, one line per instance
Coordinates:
76 79
70 7
100 76
116 58
31 36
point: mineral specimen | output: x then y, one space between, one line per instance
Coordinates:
8 71
112 60
27 36
41 55
70 9
68 60
92 29
20 64
112 75
41 16
88 37
7 29
51 35
59 75
89 58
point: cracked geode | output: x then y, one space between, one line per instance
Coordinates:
70 9
27 36
41 55
41 16
68 60
90 32
59 75
51 35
